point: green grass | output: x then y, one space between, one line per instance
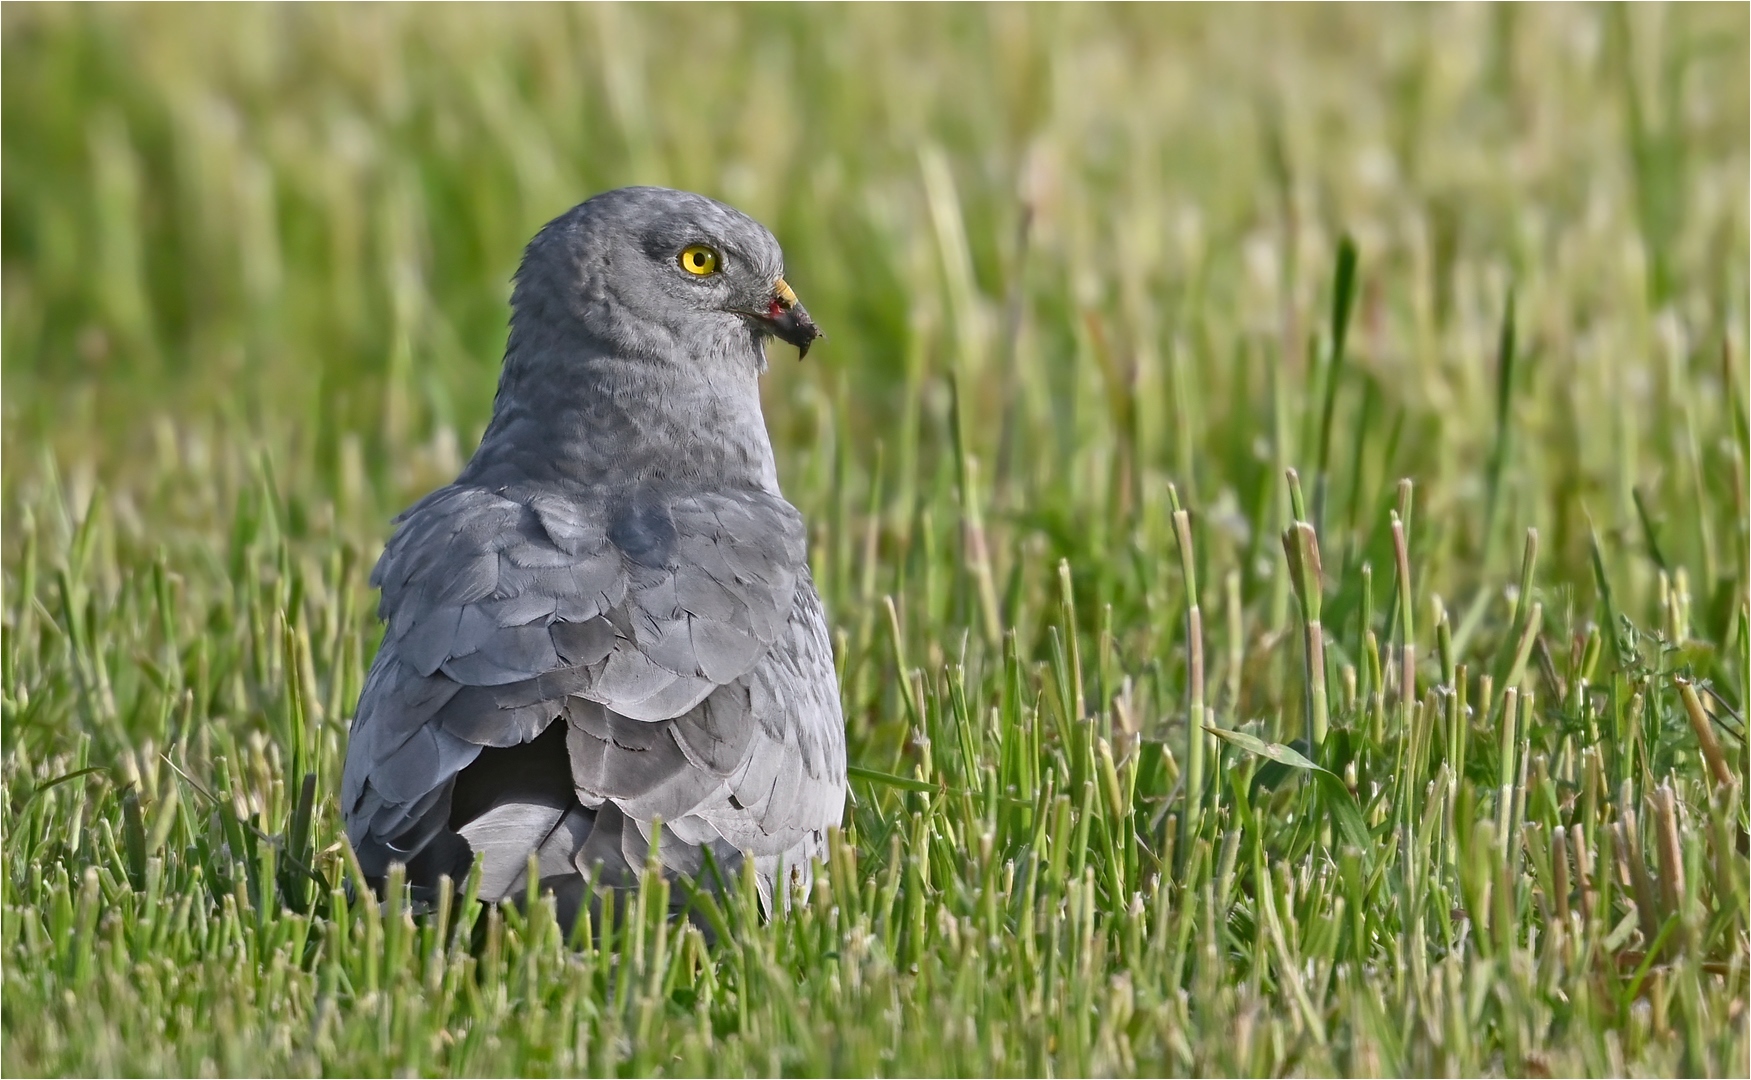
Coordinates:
1096 280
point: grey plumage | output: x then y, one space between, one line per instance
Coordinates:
607 621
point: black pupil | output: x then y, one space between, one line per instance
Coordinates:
699 259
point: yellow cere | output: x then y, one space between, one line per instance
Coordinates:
700 260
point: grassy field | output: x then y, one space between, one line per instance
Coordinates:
1277 476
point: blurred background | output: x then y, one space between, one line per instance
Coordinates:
294 226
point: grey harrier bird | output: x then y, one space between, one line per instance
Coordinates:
605 629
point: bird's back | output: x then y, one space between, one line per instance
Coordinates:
565 674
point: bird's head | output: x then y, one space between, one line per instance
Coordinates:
653 271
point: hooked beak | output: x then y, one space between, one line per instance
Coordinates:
785 319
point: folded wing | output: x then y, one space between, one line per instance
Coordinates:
679 637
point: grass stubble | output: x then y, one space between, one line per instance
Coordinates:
1278 478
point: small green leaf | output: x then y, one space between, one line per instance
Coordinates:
1337 798
874 776
1252 744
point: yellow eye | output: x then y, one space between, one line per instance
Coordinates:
699 260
